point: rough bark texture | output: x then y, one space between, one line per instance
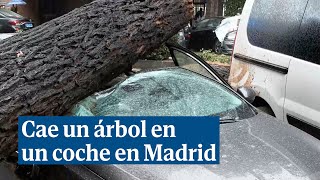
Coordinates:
214 8
71 57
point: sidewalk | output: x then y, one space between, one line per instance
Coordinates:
222 69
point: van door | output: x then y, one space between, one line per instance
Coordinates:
264 48
302 102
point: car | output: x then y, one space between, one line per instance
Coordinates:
254 145
203 35
277 54
11 22
225 34
228 43
227 25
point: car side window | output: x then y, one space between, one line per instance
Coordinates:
186 62
308 44
274 24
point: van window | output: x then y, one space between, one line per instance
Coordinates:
274 24
308 44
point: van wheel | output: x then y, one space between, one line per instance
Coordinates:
267 110
217 47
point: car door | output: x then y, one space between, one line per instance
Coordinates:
186 59
209 36
302 102
195 39
198 35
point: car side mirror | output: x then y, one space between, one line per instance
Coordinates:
247 93
194 27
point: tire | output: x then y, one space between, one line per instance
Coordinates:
266 110
217 47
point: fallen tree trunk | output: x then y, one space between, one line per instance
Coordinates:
69 58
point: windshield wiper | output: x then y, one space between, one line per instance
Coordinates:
228 119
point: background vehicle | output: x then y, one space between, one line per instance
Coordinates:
203 35
228 43
225 33
11 22
227 25
277 53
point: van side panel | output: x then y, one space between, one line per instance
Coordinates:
303 86
302 95
263 69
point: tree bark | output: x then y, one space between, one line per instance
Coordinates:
214 8
75 55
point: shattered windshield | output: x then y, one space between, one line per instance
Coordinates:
167 92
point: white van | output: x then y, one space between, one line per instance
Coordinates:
277 54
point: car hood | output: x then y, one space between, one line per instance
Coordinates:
257 148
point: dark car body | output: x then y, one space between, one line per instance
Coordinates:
11 22
202 36
256 146
228 43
